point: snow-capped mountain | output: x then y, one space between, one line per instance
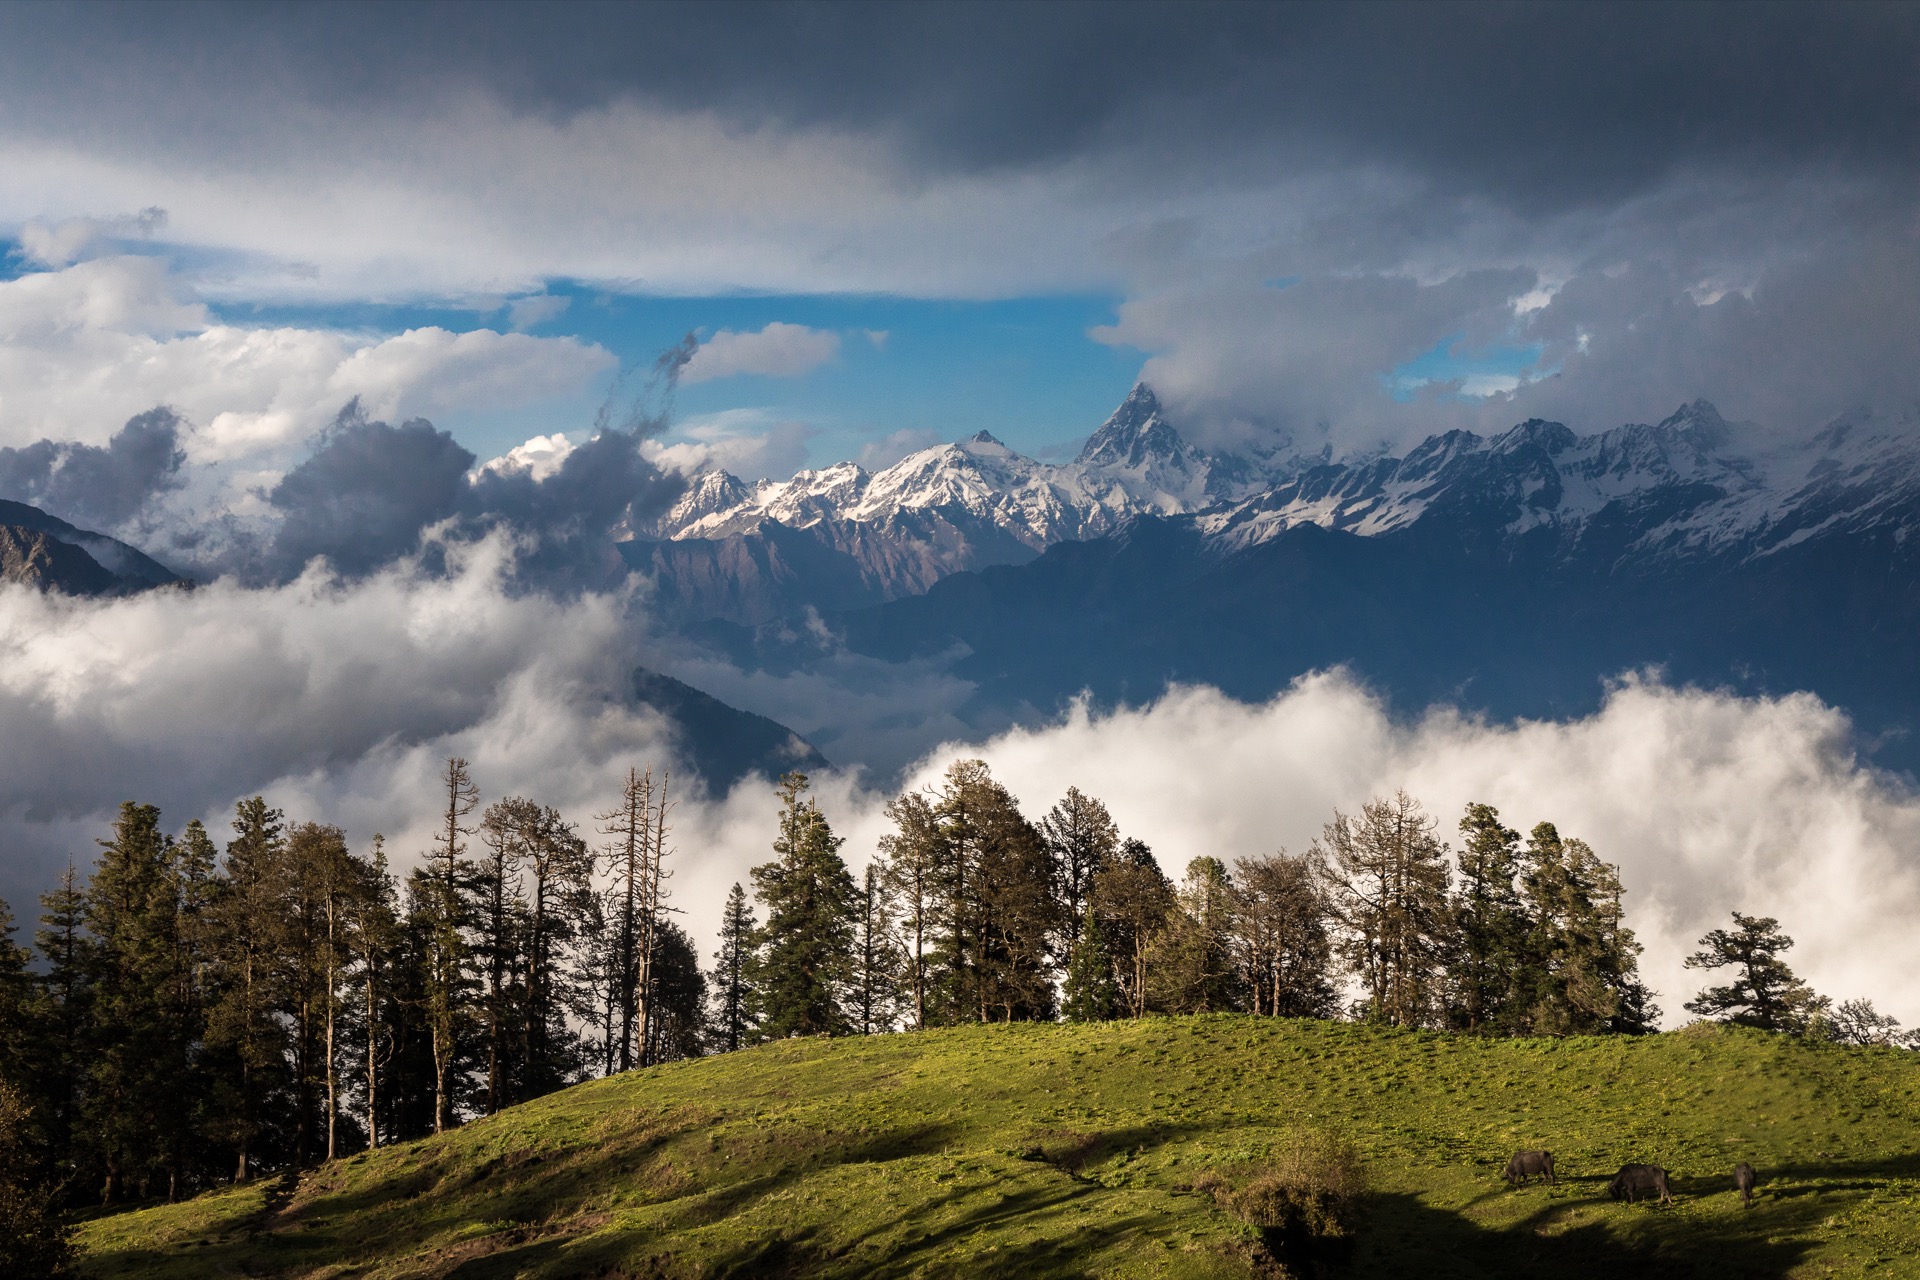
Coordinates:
1692 485
841 535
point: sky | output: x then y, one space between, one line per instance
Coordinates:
244 249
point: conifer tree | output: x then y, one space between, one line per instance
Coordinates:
495 897
134 1080
734 1018
677 1026
62 1013
873 998
444 907
918 877
373 951
245 919
1280 931
1002 910
1492 927
1090 994
804 951
1082 839
16 1002
559 868
1765 992
1389 877
1132 897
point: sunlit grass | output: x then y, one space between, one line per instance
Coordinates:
1031 1150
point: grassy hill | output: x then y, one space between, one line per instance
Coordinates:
1101 1151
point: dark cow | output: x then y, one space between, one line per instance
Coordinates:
1529 1164
1636 1180
1743 1183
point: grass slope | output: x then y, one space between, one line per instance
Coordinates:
915 1155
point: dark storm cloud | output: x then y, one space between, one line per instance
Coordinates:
365 494
98 487
369 490
1544 105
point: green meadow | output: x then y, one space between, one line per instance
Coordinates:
1109 1150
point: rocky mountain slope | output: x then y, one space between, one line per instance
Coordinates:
44 551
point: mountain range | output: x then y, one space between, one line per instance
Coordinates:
1512 574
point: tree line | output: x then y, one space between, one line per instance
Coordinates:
191 1014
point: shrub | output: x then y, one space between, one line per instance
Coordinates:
33 1238
1311 1188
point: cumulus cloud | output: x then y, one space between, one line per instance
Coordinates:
780 350
85 348
1707 802
339 700
750 443
93 486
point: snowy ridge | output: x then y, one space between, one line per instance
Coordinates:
1135 464
1691 486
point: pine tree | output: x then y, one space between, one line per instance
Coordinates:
805 949
877 960
1002 908
495 896
62 1014
1492 927
735 1000
16 1002
636 859
1579 967
1082 839
677 1027
373 952
1191 966
919 874
1090 994
1389 877
1280 931
444 915
1132 897
245 915
1765 992
559 868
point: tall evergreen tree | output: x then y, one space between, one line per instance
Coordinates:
1132 897
1765 992
63 1013
805 949
918 877
874 995
135 1079
242 1031
1002 909
373 950
1089 993
443 908
559 869
734 1016
1389 877
1492 927
497 937
1280 932
1082 839
677 1027
33 1231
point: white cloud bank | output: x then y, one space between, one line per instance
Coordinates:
84 348
780 350
340 703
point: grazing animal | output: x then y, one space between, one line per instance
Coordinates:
1529 1164
1636 1180
1743 1183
